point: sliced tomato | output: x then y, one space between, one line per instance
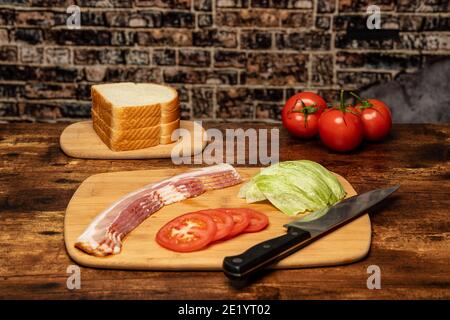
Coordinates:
258 220
241 221
186 233
224 222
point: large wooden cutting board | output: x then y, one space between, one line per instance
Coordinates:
79 140
140 251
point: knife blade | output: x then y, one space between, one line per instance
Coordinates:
301 232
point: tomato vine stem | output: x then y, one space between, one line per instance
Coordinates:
365 103
306 110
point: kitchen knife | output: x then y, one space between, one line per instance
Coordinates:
300 233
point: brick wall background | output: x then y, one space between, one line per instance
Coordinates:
230 59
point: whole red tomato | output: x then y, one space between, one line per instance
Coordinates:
341 128
301 114
309 99
376 118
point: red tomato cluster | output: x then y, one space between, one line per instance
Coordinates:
342 127
195 230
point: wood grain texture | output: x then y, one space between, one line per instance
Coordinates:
79 140
140 251
410 231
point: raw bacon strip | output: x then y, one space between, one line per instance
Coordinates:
105 234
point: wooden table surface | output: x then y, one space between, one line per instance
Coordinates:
411 238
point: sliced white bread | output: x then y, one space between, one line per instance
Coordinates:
128 116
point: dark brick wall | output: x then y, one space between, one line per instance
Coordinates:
230 59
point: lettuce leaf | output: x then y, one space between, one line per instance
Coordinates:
294 187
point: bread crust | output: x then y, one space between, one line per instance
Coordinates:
166 139
133 123
168 128
124 145
125 139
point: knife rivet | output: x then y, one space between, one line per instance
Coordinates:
294 233
266 246
237 260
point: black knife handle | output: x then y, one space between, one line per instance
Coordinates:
263 254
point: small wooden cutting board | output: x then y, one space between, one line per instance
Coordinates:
79 140
141 252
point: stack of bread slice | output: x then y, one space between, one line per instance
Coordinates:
129 116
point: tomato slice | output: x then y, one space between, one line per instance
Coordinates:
258 220
224 222
241 221
186 233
